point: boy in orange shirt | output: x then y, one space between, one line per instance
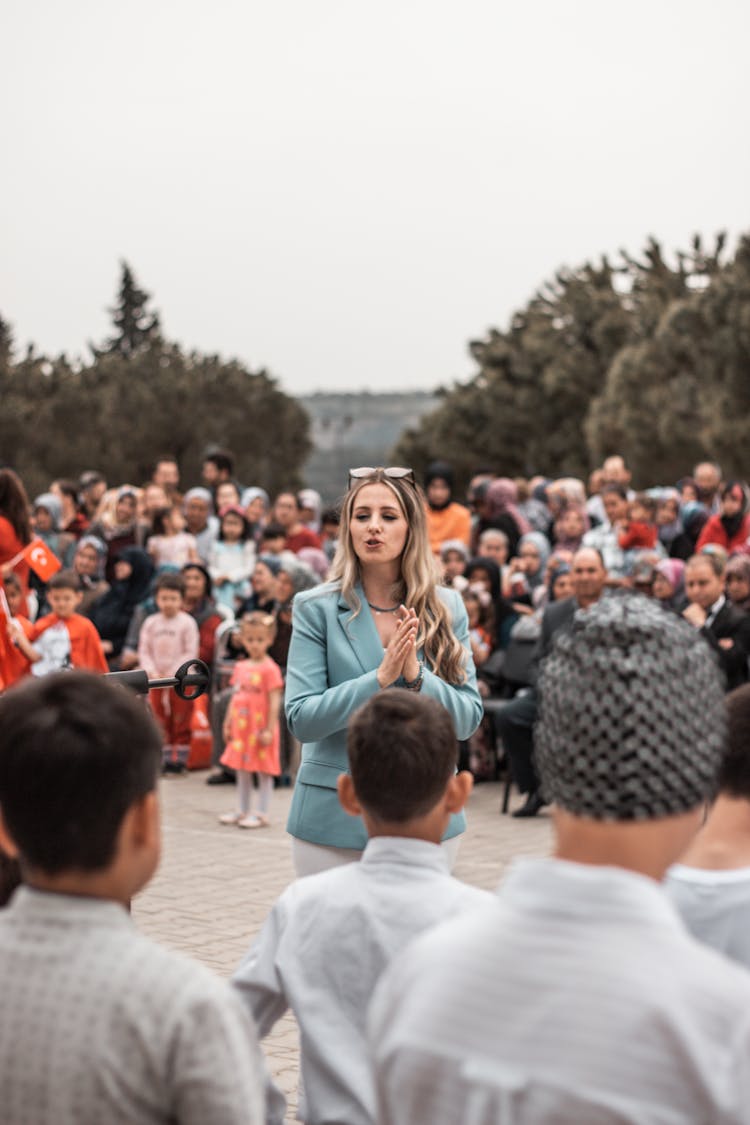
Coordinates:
63 638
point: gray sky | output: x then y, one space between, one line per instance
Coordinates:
347 192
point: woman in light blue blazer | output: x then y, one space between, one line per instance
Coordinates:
382 620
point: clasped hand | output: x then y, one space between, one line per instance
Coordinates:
400 656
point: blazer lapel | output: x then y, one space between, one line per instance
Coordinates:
360 632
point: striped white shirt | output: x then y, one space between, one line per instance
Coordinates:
579 998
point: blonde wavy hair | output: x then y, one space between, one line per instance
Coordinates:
420 577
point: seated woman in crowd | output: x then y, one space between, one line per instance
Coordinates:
737 579
731 527
669 584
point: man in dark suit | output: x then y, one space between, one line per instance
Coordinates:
515 722
725 627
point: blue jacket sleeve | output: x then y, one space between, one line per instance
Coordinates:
314 708
463 701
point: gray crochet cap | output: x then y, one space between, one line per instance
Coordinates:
632 723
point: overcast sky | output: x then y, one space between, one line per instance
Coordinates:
347 192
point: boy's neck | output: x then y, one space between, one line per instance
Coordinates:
723 844
170 616
429 828
103 885
643 847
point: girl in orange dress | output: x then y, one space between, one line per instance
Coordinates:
251 727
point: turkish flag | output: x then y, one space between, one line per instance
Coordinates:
41 560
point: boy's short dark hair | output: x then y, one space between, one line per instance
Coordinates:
222 459
273 531
68 488
734 775
12 582
65 580
171 580
331 515
75 753
402 753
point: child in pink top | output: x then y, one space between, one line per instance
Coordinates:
168 639
170 544
251 728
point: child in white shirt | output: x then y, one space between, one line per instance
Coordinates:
330 935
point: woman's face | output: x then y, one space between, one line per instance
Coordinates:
532 560
255 509
662 587
195 584
731 504
262 579
453 564
125 509
738 588
571 523
480 577
284 587
378 526
85 561
562 588
226 494
666 512
123 570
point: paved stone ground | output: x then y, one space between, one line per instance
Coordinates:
216 884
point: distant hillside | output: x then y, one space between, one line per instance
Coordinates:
349 430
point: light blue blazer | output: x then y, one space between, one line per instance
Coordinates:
331 671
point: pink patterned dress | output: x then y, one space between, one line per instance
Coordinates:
248 716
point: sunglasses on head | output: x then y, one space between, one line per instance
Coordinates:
395 472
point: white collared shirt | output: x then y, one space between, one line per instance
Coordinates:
715 907
578 998
323 948
101 1026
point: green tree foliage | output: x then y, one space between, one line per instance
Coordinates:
642 358
130 404
136 328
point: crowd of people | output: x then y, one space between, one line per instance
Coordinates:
606 626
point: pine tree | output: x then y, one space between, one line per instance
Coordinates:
136 327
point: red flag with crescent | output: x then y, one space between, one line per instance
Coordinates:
41 560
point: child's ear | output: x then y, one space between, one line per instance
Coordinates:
347 796
7 844
457 791
79 597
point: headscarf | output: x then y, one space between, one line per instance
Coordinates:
542 544
674 572
500 499
457 545
51 504
250 494
439 470
203 494
101 552
694 516
740 565
316 559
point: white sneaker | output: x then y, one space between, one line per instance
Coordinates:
230 818
253 821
